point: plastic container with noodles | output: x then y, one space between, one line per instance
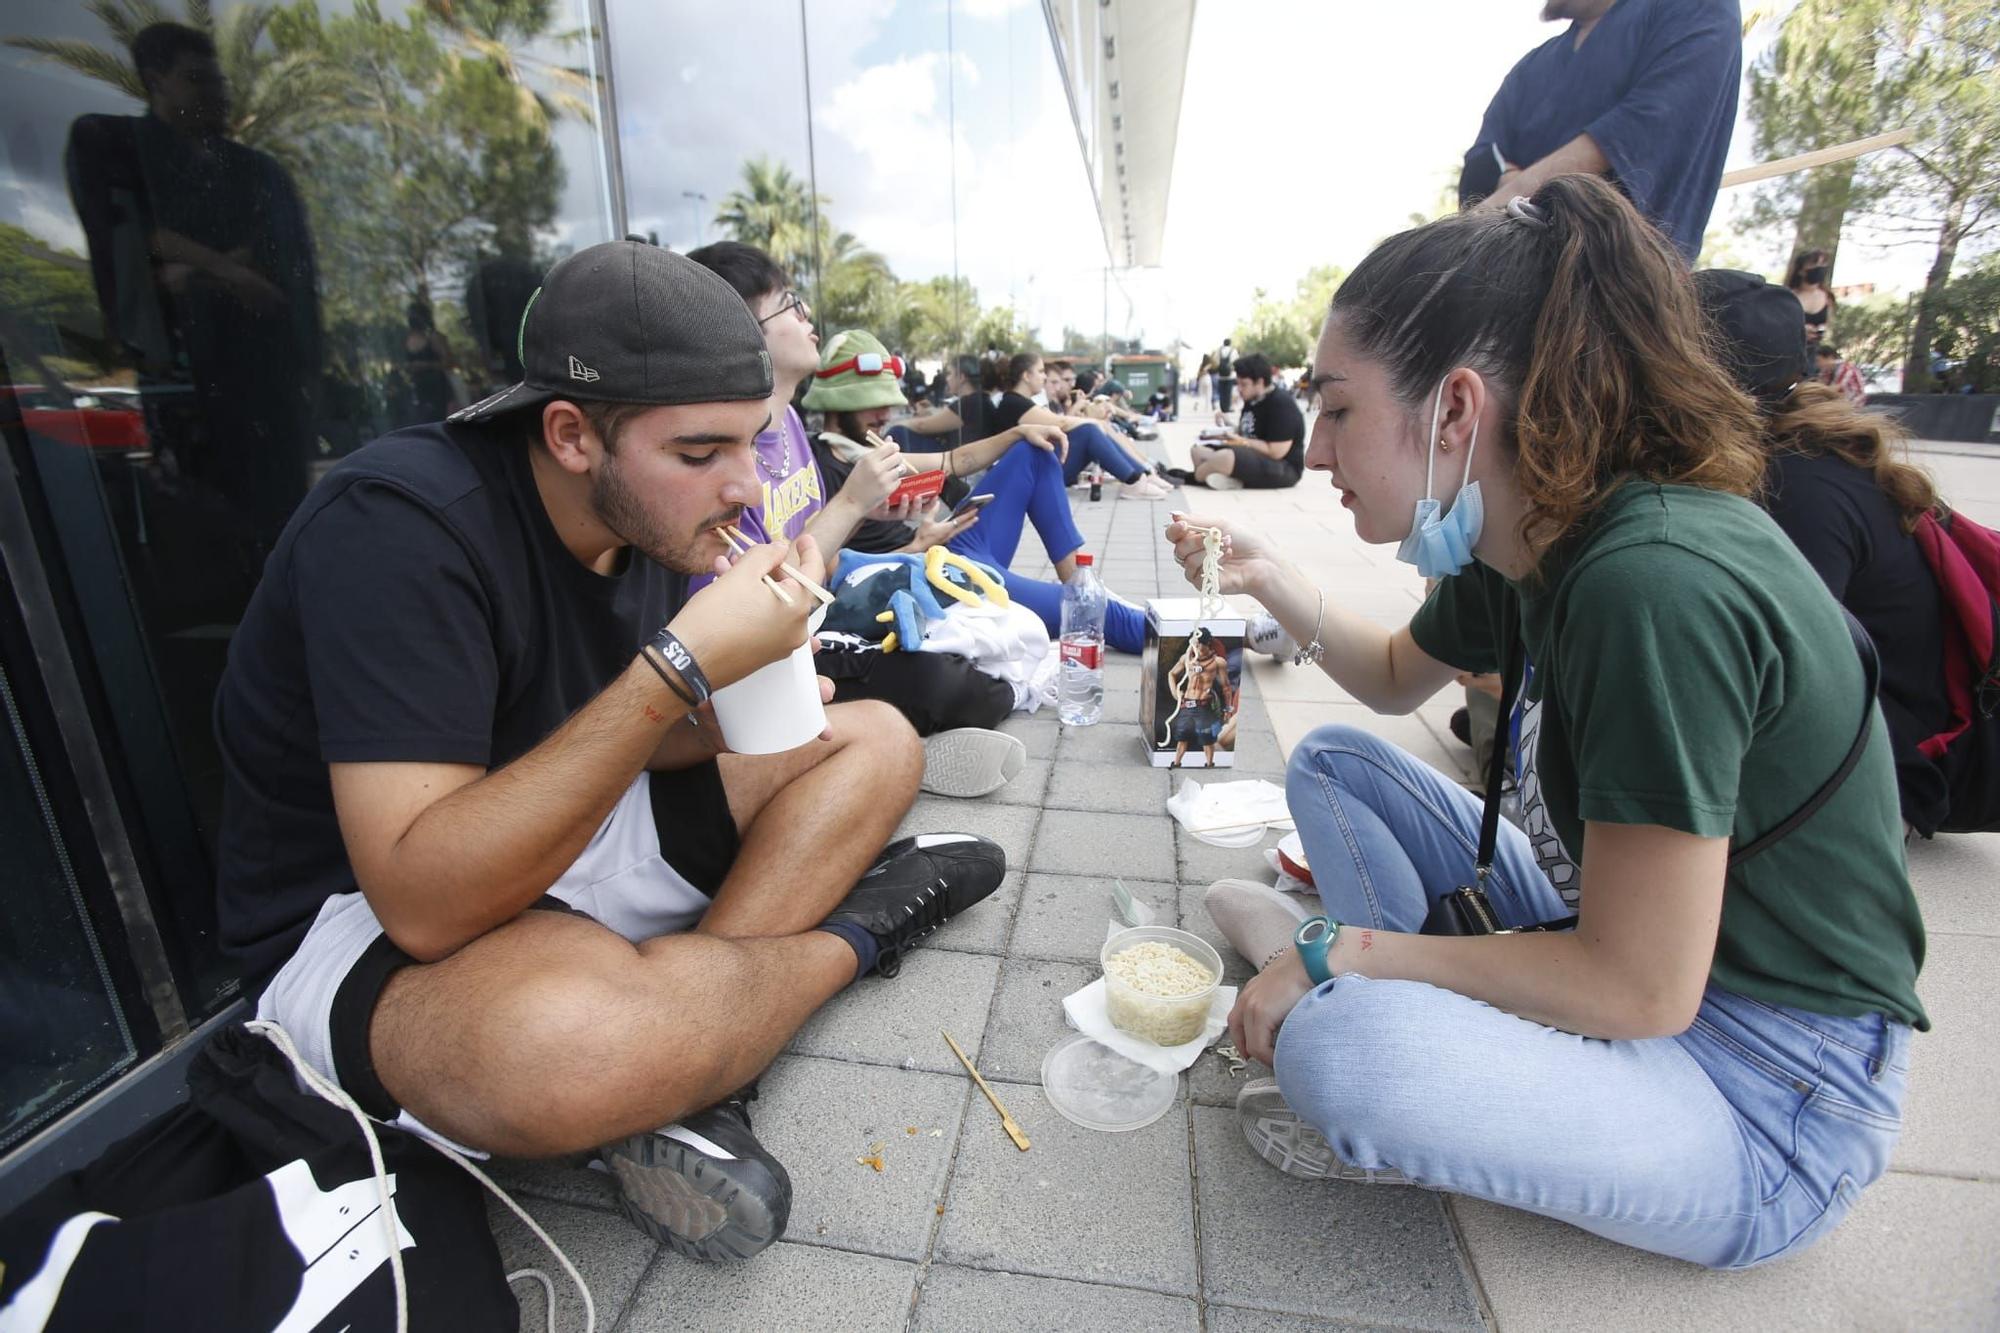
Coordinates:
1159 983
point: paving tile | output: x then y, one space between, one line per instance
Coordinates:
818 1116
609 1252
1366 1252
1065 916
1029 786
1954 875
1012 826
1076 842
798 1288
1283 682
895 1020
1211 1084
961 1298
1122 788
1036 730
1948 1116
1202 864
1083 1204
1121 708
1916 1253
1027 1017
1119 743
1231 1319
986 928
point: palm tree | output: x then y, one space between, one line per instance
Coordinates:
774 211
273 97
496 29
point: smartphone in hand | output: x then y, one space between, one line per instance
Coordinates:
971 504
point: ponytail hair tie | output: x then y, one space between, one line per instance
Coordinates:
1521 209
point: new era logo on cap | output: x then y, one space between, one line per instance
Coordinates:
579 371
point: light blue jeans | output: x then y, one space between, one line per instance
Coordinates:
1741 1140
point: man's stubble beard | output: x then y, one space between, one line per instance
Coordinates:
618 509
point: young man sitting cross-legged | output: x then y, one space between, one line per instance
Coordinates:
482 852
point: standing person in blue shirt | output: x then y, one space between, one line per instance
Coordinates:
1640 91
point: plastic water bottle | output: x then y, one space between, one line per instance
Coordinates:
1081 701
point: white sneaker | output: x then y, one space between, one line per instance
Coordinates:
1294 1147
971 761
1256 919
1218 481
1265 635
1147 487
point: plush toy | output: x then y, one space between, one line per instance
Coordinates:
893 599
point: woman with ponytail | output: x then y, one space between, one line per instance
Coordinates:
1708 1060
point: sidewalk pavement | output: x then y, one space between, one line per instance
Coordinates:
1179 1225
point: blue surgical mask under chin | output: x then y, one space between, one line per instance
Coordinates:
1441 544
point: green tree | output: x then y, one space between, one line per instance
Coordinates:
774 211
1856 67
1286 331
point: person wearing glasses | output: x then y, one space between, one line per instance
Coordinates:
805 492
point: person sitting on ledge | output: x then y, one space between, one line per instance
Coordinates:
482 853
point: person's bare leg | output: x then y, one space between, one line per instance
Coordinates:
1200 454
813 820
1066 568
553 1034
1220 462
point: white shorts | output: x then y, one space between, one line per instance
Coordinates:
620 881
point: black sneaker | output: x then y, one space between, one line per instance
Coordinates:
704 1186
1461 725
918 884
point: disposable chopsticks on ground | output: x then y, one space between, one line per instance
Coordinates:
881 443
743 543
1006 1121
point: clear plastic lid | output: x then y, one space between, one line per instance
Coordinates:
1094 1086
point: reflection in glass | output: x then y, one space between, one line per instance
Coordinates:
235 248
61 1030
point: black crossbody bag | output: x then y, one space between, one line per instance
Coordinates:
1466 910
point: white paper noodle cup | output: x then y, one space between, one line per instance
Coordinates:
776 707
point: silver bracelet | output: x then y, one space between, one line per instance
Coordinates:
1315 650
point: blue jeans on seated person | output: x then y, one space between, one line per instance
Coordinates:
1089 443
1027 488
1743 1139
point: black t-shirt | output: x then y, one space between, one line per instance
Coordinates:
1276 417
975 410
875 535
419 607
1851 534
1007 415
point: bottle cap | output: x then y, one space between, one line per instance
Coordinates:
1083 558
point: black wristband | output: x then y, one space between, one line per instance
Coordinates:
693 687
653 660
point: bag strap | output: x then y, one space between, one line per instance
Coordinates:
1496 767
1871 671
1510 683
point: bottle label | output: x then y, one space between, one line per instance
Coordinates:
1089 655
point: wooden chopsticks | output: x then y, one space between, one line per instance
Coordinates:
734 536
881 443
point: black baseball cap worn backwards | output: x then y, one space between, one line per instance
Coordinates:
629 322
1763 331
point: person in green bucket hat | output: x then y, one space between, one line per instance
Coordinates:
857 389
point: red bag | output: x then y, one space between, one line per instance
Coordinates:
1965 557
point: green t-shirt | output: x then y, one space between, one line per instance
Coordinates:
1695 673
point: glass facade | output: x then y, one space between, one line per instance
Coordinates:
229 262
226 264
913 164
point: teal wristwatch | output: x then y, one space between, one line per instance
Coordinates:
1314 937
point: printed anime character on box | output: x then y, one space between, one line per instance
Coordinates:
1205 701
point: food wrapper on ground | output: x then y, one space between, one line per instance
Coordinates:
1230 814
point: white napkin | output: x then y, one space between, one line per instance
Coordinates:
1230 814
1086 1013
